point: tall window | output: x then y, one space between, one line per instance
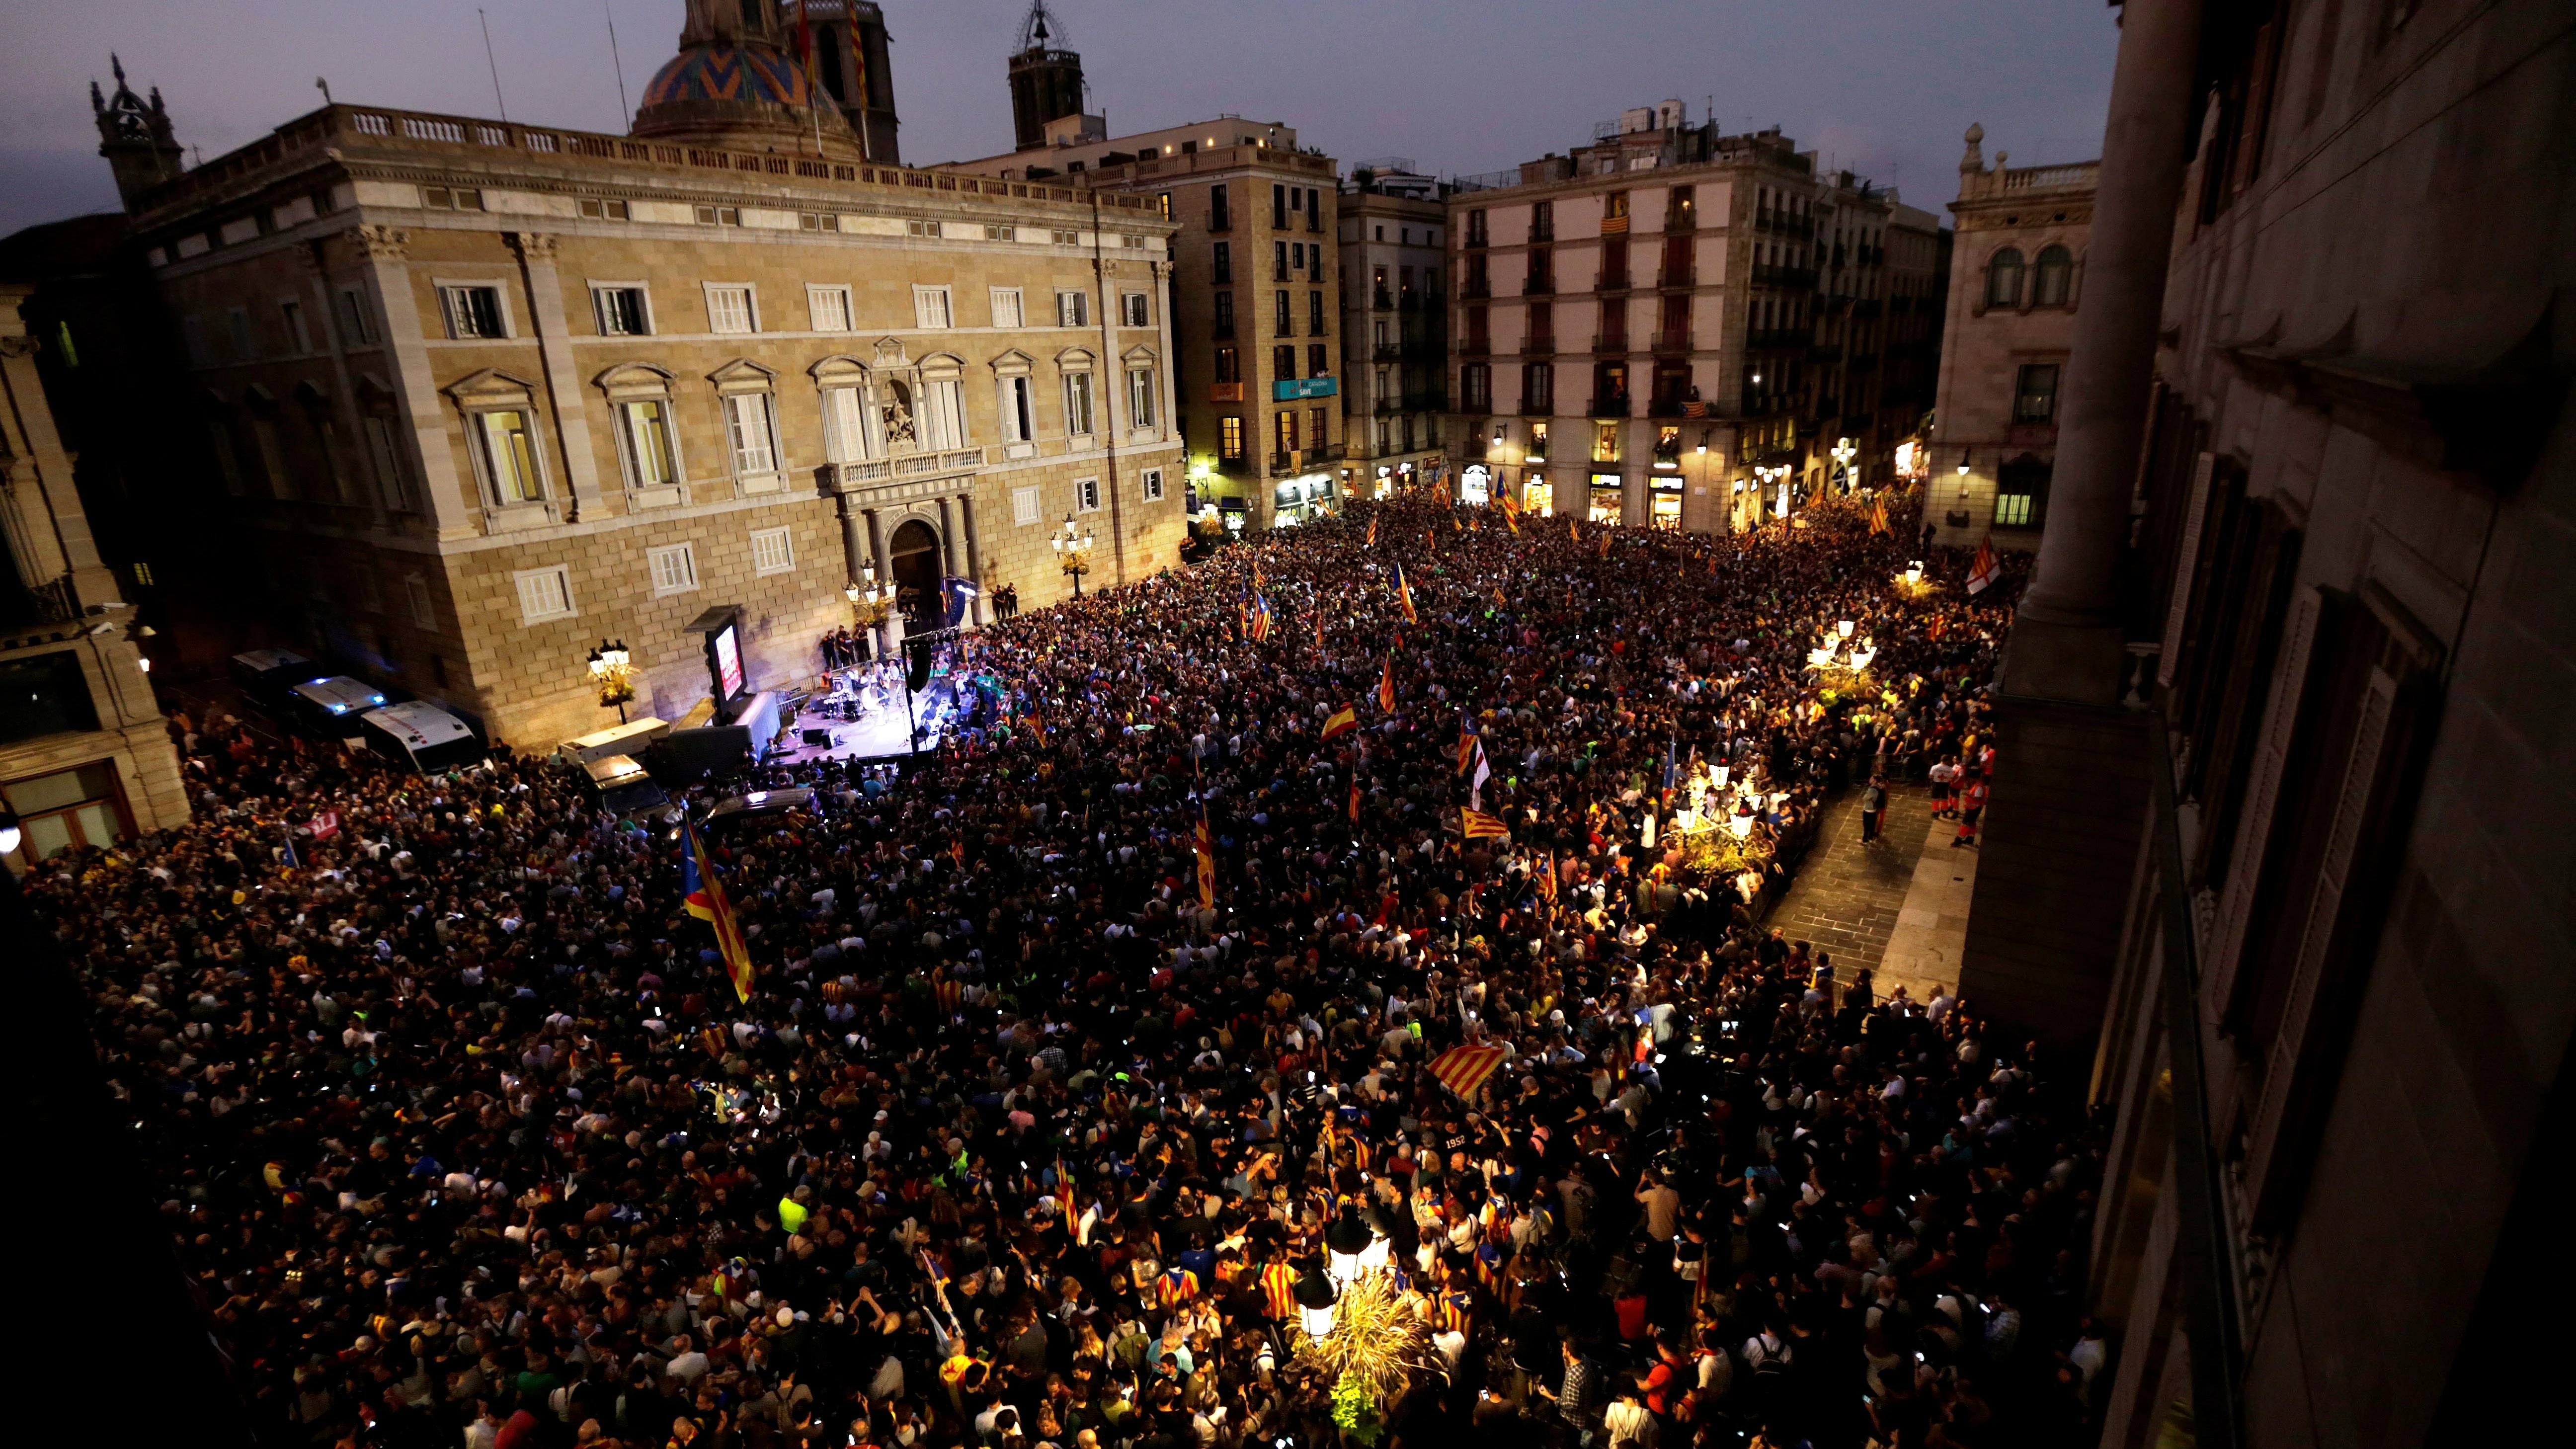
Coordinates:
357 327
1542 221
750 433
1315 435
645 427
829 307
2052 278
1229 438
1475 387
1279 260
1153 481
1006 307
2021 493
1225 314
1538 387
930 308
1315 314
1073 309
1221 263
1229 365
510 456
1283 425
2035 393
386 458
851 429
2003 279
1018 410
674 568
943 413
1605 442
1220 214
1137 312
729 309
1537 451
1077 402
1140 397
1286 317
1319 360
1283 361
544 594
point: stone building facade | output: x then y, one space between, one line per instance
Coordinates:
1256 299
1641 325
85 755
1395 333
2017 274
2305 901
491 393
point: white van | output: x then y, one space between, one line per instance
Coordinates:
331 707
421 737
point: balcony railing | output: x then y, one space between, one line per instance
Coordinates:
1475 239
1282 462
1387 406
1681 219
1426 402
1672 342
1539 287
1221 329
1476 289
1776 337
1539 234
1672 405
1615 342
1612 405
1386 352
1801 279
1382 301
1611 282
1680 277
1538 407
1539 344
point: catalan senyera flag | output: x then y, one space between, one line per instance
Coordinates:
1571 531
1355 799
1342 722
1203 844
704 896
1386 688
1512 519
1371 540
1547 876
1462 1069
1878 515
1477 825
1404 595
1605 543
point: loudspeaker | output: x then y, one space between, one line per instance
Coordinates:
818 737
916 663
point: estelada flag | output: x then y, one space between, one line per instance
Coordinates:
704 896
1260 618
1512 520
1547 876
1878 515
1462 1069
1204 845
1404 595
1342 722
1985 570
1477 825
1386 688
1466 747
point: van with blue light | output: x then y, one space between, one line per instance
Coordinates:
421 737
330 707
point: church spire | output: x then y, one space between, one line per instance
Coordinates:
134 136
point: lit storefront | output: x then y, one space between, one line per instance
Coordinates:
1475 484
1538 497
1302 499
1664 502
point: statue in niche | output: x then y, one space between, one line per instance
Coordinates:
897 414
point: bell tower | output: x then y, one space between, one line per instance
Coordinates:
134 136
1046 83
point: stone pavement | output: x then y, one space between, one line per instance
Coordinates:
1897 905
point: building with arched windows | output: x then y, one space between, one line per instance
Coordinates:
2017 273
483 393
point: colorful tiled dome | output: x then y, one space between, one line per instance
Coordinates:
756 74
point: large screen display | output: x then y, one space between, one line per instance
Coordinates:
729 660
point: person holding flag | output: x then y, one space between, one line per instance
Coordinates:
1404 595
1341 722
1477 825
1203 845
703 894
1985 570
1386 688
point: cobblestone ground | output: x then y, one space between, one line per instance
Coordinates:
1847 896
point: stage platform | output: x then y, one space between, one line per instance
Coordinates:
883 728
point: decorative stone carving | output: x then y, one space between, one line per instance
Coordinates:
534 247
15 347
383 243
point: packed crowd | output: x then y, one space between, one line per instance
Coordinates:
1018 1143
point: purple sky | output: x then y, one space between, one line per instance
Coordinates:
1884 86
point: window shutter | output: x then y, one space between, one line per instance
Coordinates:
2193 520
2294 1078
2280 723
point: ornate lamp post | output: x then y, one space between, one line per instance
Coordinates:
1072 552
871 603
613 670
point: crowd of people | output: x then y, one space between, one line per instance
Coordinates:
1020 1141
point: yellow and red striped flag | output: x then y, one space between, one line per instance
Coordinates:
1466 748
1355 797
1204 845
1386 688
704 895
1404 595
1342 722
1477 825
1462 1069
1371 540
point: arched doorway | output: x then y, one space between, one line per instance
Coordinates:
912 556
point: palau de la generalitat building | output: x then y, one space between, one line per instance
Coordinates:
489 392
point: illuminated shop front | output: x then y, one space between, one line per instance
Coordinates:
1302 499
1664 502
1538 496
1609 497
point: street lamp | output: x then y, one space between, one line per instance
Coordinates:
870 601
613 670
1072 552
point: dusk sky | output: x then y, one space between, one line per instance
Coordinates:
1882 86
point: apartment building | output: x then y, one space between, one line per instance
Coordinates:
85 756
1394 325
2017 275
490 392
1255 286
1685 329
2304 903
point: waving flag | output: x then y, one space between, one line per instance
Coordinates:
1355 797
1260 618
1572 532
1386 688
1463 1069
1878 515
1342 722
1477 825
1404 595
1476 782
1203 845
1242 612
1371 540
704 896
1512 518
1985 570
1547 876
1467 747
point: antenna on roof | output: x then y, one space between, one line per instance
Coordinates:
495 64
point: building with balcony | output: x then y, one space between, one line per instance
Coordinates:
2304 902
1642 324
1394 324
485 393
1256 297
2017 275
85 755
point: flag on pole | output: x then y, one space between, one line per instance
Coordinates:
1985 570
704 896
1204 846
1512 521
1463 1069
1547 876
1476 782
1572 532
1467 746
1342 722
1878 514
1386 688
1404 595
1242 611
1260 617
1477 825
1371 540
